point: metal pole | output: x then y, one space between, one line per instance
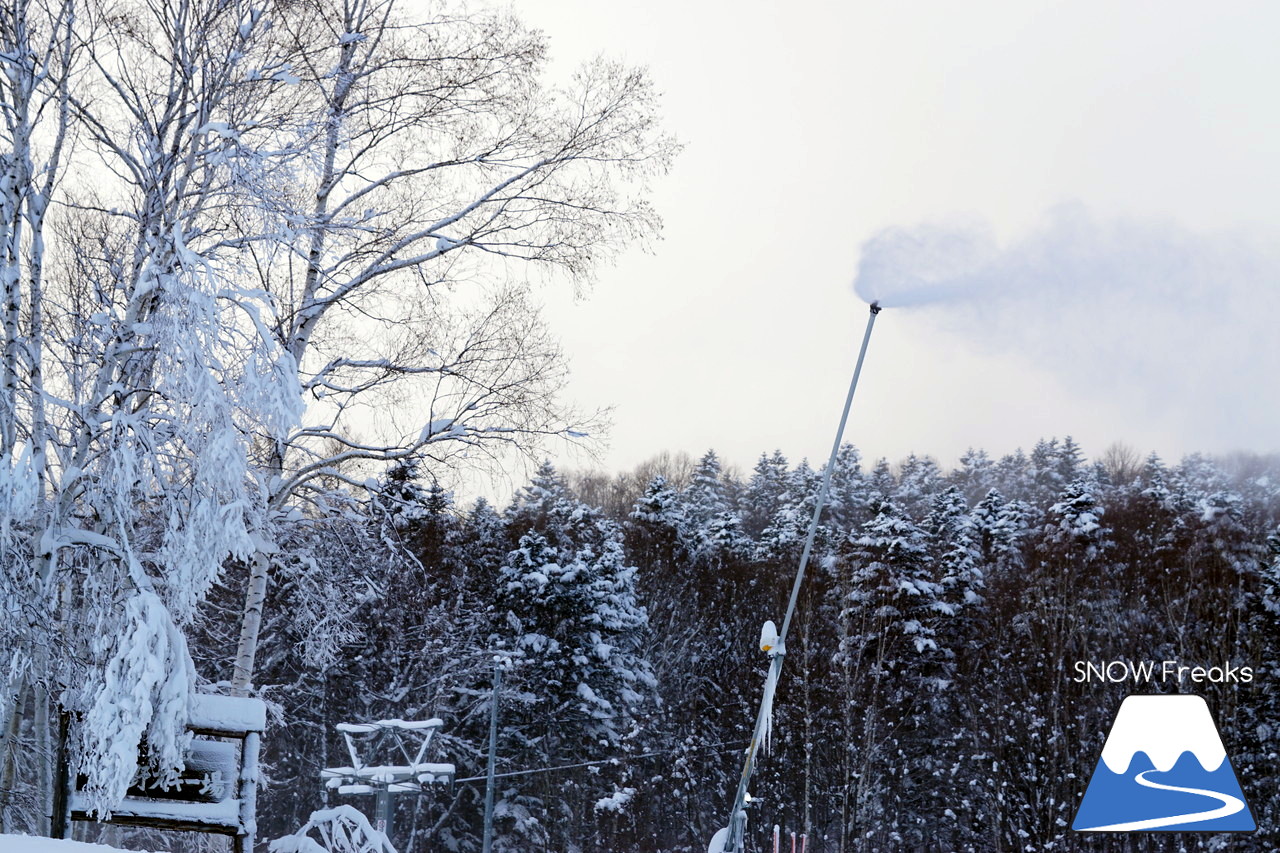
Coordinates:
493 753
734 841
826 477
384 810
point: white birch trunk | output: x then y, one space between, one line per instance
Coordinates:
251 624
8 743
45 757
303 323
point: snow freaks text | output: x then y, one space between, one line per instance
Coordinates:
1164 672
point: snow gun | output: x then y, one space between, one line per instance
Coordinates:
731 839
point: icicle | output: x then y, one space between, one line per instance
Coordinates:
766 705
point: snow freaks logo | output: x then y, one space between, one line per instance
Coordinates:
1164 768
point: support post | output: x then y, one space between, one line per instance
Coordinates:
493 755
383 809
61 824
249 792
46 755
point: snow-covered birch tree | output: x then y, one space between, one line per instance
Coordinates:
439 174
35 62
149 370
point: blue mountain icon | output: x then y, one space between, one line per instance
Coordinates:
1164 768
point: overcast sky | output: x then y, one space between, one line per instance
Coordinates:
812 126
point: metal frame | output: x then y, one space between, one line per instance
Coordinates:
416 776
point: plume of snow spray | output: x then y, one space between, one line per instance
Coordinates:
903 268
1142 314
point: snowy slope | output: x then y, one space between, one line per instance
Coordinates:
31 844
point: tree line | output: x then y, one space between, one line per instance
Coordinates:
929 700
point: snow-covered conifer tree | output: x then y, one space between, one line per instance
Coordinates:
976 474
567 606
705 497
889 654
955 554
919 478
764 492
847 500
881 481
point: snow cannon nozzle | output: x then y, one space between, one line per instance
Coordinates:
875 307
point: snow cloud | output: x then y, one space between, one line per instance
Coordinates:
1149 314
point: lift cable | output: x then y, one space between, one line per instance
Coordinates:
727 747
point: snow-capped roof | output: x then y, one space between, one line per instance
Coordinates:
214 713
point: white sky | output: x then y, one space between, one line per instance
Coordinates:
811 125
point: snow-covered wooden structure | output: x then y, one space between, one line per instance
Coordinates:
217 791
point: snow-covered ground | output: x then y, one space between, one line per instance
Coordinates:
33 844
